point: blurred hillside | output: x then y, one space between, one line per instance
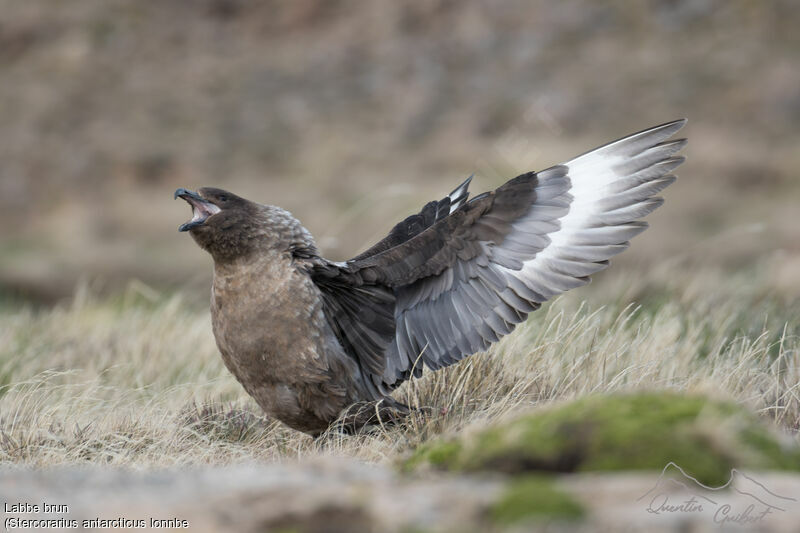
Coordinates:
351 114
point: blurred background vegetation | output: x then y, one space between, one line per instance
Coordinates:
352 114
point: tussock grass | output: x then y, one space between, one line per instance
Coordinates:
137 381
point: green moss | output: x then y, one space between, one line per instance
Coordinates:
441 455
642 431
534 498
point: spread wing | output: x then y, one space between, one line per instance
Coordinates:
467 278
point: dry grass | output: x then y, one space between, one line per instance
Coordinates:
136 380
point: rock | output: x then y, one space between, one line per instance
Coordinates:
643 431
325 494
335 494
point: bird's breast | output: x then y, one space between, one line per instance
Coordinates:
264 319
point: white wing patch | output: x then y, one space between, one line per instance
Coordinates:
611 188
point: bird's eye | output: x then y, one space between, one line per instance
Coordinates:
223 198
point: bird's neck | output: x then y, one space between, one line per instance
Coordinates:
265 261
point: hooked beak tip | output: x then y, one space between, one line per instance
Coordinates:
201 208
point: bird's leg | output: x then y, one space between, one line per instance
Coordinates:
362 415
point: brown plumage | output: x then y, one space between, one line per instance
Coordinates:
308 338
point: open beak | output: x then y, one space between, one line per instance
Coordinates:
201 209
